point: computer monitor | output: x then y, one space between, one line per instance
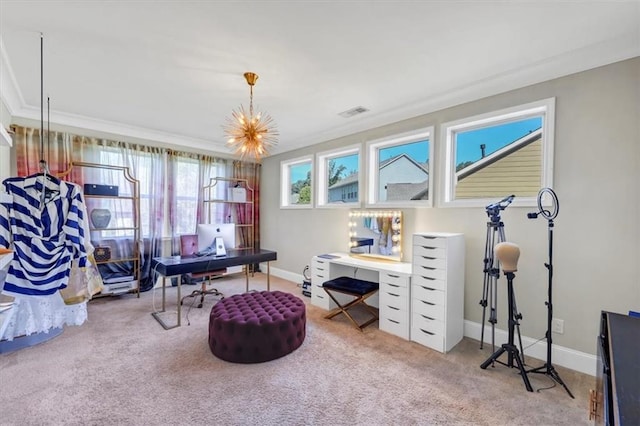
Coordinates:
207 233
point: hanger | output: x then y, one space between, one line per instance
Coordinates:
47 192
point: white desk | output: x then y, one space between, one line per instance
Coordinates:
422 301
392 298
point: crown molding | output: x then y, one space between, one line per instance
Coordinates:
571 62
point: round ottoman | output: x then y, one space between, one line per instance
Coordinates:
257 326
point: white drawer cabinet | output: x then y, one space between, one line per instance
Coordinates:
394 303
437 290
320 274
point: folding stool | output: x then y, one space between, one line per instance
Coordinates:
359 289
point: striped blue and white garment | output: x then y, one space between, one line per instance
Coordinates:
45 240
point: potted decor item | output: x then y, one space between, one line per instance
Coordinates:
100 218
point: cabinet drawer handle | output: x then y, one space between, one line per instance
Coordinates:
429 257
428 332
393 276
429 268
395 322
428 278
320 269
393 294
426 317
428 303
393 285
428 248
319 276
394 308
428 288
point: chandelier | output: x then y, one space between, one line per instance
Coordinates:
250 135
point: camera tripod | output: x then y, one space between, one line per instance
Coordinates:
495 235
547 368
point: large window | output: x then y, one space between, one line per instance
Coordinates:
296 183
494 155
186 187
339 177
399 170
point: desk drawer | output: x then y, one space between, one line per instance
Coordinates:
319 262
429 241
395 279
430 262
429 295
425 271
397 314
394 301
319 276
428 282
434 252
429 325
394 289
427 338
321 300
395 327
427 309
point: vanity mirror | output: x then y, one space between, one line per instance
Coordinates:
376 233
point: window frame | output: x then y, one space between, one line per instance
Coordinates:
373 155
447 167
285 182
322 163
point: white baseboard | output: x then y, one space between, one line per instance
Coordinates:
281 273
560 356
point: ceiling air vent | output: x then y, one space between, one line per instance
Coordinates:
353 111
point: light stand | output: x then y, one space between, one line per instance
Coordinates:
550 215
508 253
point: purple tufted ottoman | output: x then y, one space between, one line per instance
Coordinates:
257 326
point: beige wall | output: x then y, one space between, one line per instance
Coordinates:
596 235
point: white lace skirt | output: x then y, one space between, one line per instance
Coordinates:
39 314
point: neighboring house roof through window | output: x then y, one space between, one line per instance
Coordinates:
499 154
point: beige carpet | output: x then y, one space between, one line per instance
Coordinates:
122 367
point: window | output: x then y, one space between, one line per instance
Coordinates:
296 189
494 155
186 175
399 169
339 177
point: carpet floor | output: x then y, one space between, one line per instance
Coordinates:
121 367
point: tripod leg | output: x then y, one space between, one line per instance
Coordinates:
523 372
494 309
492 358
554 375
488 261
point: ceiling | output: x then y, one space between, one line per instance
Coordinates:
172 71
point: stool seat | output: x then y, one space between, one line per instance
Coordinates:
257 326
351 285
360 290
